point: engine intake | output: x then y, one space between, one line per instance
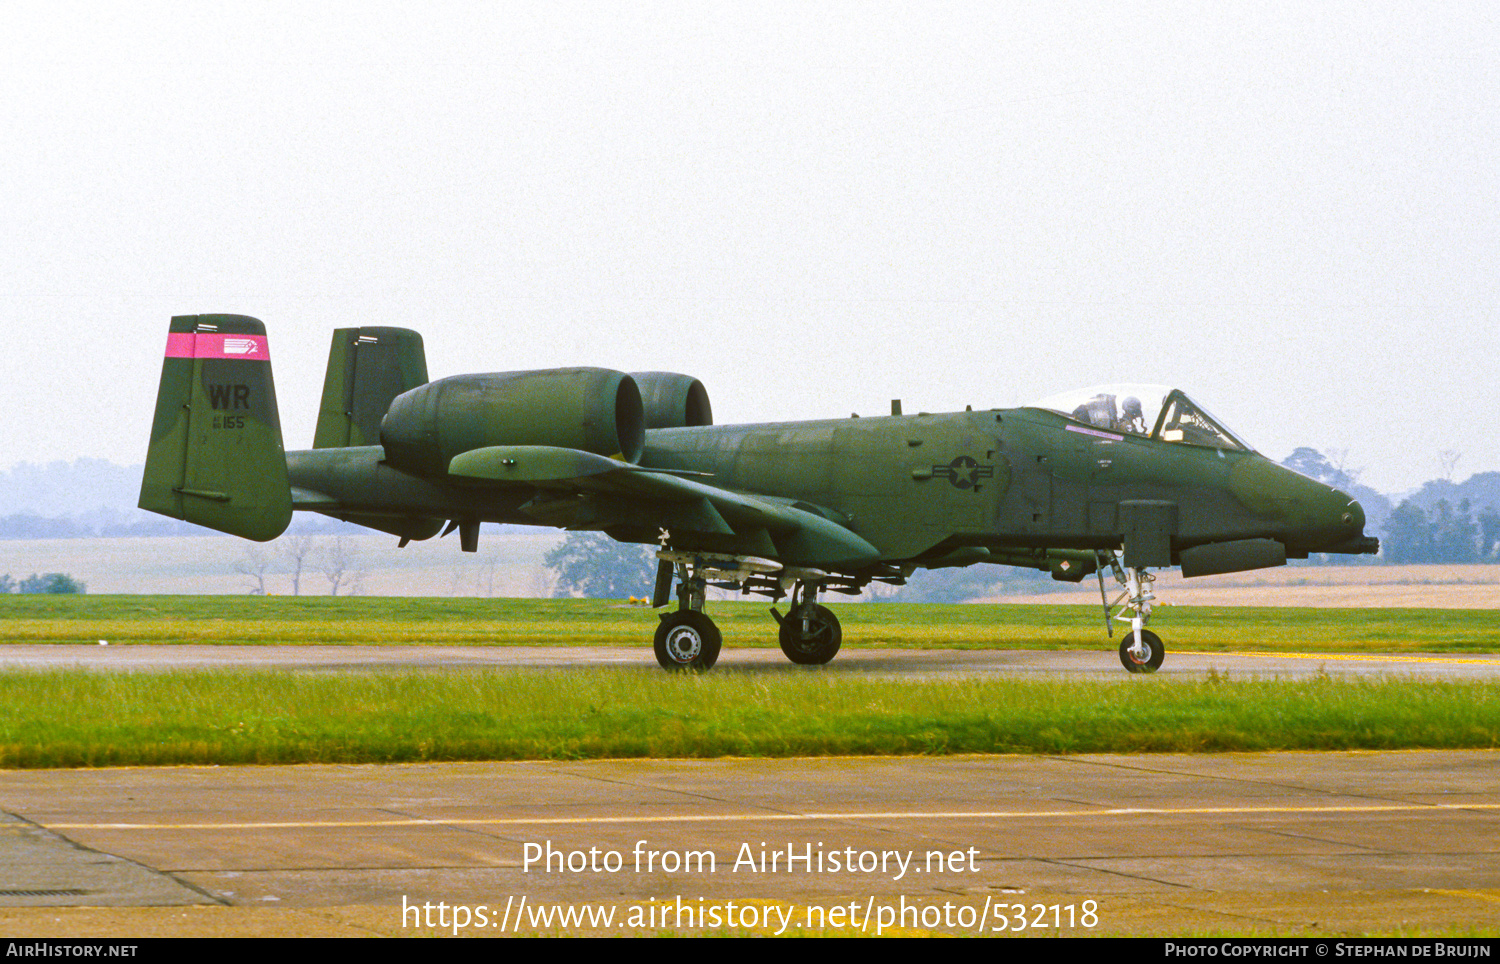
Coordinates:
673 400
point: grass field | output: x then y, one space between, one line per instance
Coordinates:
285 620
75 718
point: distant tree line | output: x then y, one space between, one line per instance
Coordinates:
1445 521
1442 522
1441 534
52 582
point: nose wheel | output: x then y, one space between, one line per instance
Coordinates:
1145 658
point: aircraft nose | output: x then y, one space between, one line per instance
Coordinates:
1309 515
1354 517
1339 526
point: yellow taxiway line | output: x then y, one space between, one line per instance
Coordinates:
781 817
1363 657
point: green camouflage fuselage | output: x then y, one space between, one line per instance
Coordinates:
574 448
918 488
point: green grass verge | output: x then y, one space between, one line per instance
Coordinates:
325 620
74 718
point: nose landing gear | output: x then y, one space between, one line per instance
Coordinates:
1141 651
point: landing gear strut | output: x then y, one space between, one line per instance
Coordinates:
1141 651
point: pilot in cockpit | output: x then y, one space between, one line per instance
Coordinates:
1099 411
1132 418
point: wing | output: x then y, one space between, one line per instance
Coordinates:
577 489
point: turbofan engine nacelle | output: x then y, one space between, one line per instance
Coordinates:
593 409
673 401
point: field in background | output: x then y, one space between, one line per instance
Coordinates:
507 564
510 564
1356 587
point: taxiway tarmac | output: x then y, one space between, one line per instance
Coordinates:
1285 843
893 662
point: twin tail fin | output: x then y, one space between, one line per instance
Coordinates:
216 456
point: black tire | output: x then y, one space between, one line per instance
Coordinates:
687 640
1155 651
821 642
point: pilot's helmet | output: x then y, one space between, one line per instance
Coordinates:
1131 406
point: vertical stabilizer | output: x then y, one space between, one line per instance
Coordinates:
367 367
216 456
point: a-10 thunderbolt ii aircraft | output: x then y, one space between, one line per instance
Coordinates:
1124 478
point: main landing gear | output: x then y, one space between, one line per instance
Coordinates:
810 634
687 640
1141 651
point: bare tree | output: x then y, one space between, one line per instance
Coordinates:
299 552
1448 459
489 564
254 564
337 562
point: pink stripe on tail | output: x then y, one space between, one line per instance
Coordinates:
187 344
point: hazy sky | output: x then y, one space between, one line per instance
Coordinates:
1290 210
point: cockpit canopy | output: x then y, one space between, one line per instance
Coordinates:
1150 411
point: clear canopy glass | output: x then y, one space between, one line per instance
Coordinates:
1150 411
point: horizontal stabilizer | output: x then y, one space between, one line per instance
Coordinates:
309 500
